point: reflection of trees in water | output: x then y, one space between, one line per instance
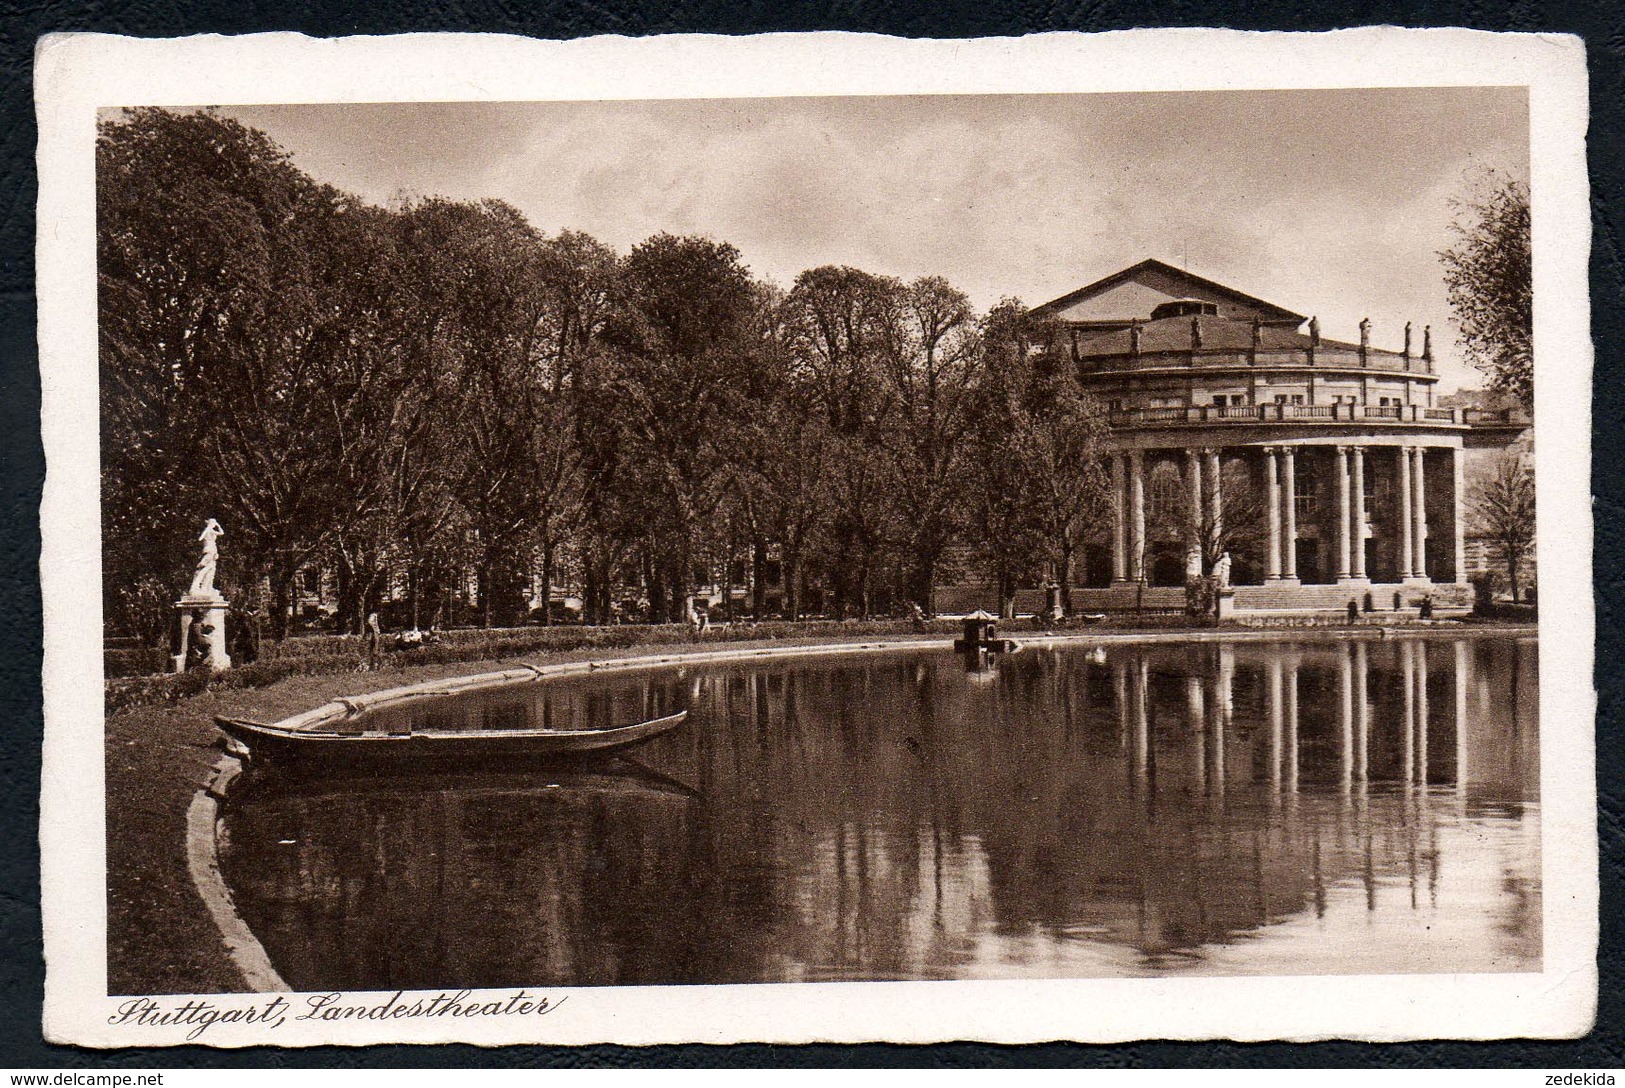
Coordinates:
888 817
460 881
587 703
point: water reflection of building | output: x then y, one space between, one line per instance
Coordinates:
886 818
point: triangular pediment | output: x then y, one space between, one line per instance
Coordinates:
1131 295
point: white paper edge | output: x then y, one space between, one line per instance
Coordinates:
77 73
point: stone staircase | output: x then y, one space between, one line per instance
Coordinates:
958 600
1446 597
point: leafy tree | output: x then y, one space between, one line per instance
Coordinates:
1503 509
1061 449
223 392
1011 527
843 326
929 372
682 330
1488 273
776 451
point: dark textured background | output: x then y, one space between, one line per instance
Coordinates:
1600 22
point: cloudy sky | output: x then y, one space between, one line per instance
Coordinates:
1327 202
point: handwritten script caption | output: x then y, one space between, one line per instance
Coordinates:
200 1015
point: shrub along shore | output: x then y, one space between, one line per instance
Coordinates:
161 745
135 677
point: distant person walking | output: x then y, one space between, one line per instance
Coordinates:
197 642
374 640
245 637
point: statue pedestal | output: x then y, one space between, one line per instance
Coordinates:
1227 603
213 608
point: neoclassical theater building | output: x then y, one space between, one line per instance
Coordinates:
1327 471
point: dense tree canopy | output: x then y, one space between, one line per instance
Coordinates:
437 403
1489 274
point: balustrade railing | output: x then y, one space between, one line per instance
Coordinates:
1229 360
1287 413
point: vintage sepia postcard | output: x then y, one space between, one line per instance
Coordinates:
816 537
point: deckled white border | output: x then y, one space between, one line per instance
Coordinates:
77 74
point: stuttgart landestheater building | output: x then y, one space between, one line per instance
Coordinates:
1325 469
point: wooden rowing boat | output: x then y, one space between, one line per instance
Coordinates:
252 741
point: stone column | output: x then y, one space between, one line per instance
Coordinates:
1272 556
1193 483
1289 512
1419 509
1119 522
1344 518
1136 499
1406 525
1357 554
1215 493
1458 518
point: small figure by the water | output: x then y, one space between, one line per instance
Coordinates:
375 640
197 642
1354 610
916 615
1221 571
203 576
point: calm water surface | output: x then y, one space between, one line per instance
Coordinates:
1246 808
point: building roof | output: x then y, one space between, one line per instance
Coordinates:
1135 291
1218 334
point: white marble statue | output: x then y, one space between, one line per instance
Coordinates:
203 577
1221 570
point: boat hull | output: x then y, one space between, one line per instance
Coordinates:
255 741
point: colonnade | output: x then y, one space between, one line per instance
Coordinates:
1210 706
1203 480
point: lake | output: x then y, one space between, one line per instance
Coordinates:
1219 808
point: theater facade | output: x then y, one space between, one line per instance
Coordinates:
1310 471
